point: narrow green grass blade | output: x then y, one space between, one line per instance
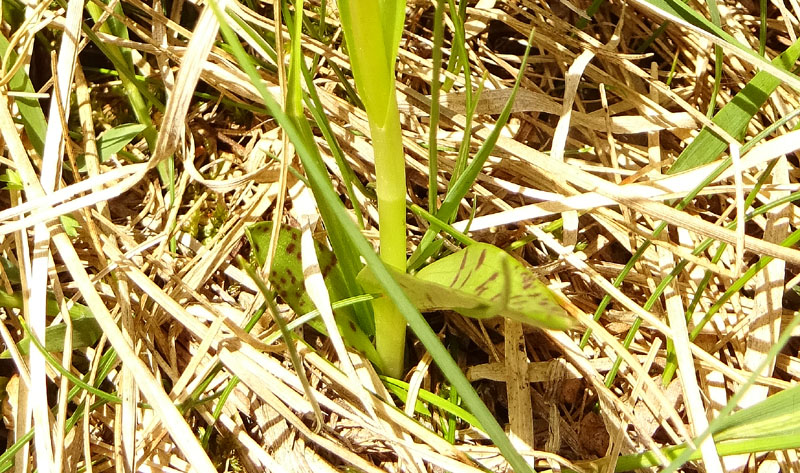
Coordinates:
716 19
446 227
725 448
433 126
790 241
671 364
314 105
321 119
450 429
762 27
735 116
7 458
458 190
459 45
128 77
401 388
294 92
287 337
686 13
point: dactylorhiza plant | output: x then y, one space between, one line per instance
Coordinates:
372 29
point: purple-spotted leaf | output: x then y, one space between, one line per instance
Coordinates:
287 279
480 281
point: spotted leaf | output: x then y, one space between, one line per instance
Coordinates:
286 277
480 281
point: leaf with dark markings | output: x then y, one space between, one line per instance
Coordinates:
480 281
286 277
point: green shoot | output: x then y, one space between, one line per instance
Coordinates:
335 216
366 22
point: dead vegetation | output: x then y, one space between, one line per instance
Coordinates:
596 126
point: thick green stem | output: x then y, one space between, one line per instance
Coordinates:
372 29
390 325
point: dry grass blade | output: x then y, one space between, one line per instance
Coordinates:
205 383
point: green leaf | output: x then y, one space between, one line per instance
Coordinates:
12 180
70 225
113 140
11 270
286 277
393 13
367 30
85 333
30 112
85 329
774 416
772 424
480 281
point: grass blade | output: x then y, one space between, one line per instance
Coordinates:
735 116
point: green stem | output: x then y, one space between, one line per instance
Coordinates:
372 30
390 325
